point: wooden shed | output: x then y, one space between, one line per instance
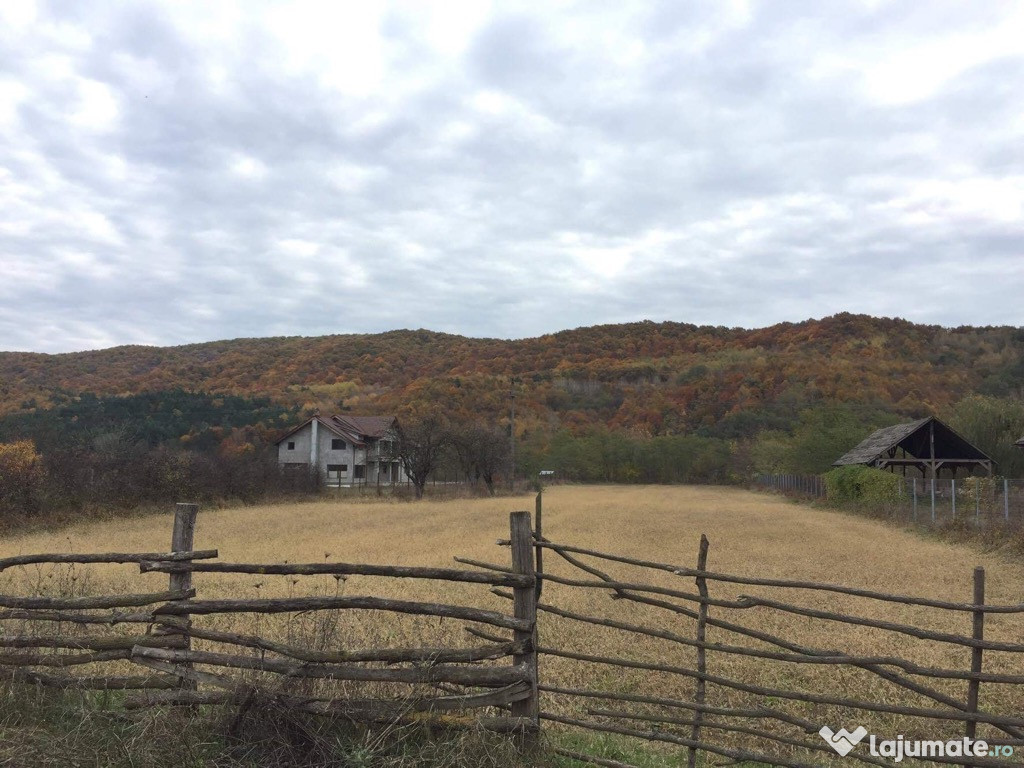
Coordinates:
926 447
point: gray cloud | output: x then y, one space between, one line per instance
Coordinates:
176 172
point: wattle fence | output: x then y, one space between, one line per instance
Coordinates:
662 662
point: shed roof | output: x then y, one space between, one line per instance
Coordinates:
915 439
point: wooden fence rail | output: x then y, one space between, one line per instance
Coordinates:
344 569
105 557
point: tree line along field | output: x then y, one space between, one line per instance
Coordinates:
750 534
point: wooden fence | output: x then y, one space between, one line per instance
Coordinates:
778 725
180 674
501 683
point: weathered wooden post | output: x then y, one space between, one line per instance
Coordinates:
182 540
974 684
1006 499
702 668
525 607
539 537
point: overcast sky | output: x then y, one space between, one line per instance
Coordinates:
185 172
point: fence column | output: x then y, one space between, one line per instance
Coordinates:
1006 499
915 498
538 521
182 540
974 684
702 669
933 497
952 495
525 602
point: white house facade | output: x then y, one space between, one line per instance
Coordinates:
345 450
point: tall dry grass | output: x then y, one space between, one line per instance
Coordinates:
750 534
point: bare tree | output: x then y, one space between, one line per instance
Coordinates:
482 452
420 446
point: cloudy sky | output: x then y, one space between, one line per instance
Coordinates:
176 172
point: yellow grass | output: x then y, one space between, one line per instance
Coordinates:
751 534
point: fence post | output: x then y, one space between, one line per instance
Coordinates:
974 684
525 607
933 498
1006 499
952 495
702 669
915 498
977 502
182 540
538 535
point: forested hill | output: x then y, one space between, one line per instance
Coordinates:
649 378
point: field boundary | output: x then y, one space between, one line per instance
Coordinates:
978 502
497 684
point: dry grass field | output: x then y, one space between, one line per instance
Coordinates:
751 534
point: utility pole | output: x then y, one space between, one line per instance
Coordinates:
512 381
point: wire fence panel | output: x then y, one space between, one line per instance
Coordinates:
977 501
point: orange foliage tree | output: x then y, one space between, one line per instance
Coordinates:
21 477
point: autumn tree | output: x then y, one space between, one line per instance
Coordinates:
993 424
21 477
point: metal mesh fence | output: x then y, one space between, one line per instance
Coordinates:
968 500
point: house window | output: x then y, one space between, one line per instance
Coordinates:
291 445
360 471
337 444
338 468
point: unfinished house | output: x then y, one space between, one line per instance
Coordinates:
345 450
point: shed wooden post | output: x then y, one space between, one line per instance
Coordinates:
182 540
978 633
525 607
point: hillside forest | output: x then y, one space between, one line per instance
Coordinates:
639 402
